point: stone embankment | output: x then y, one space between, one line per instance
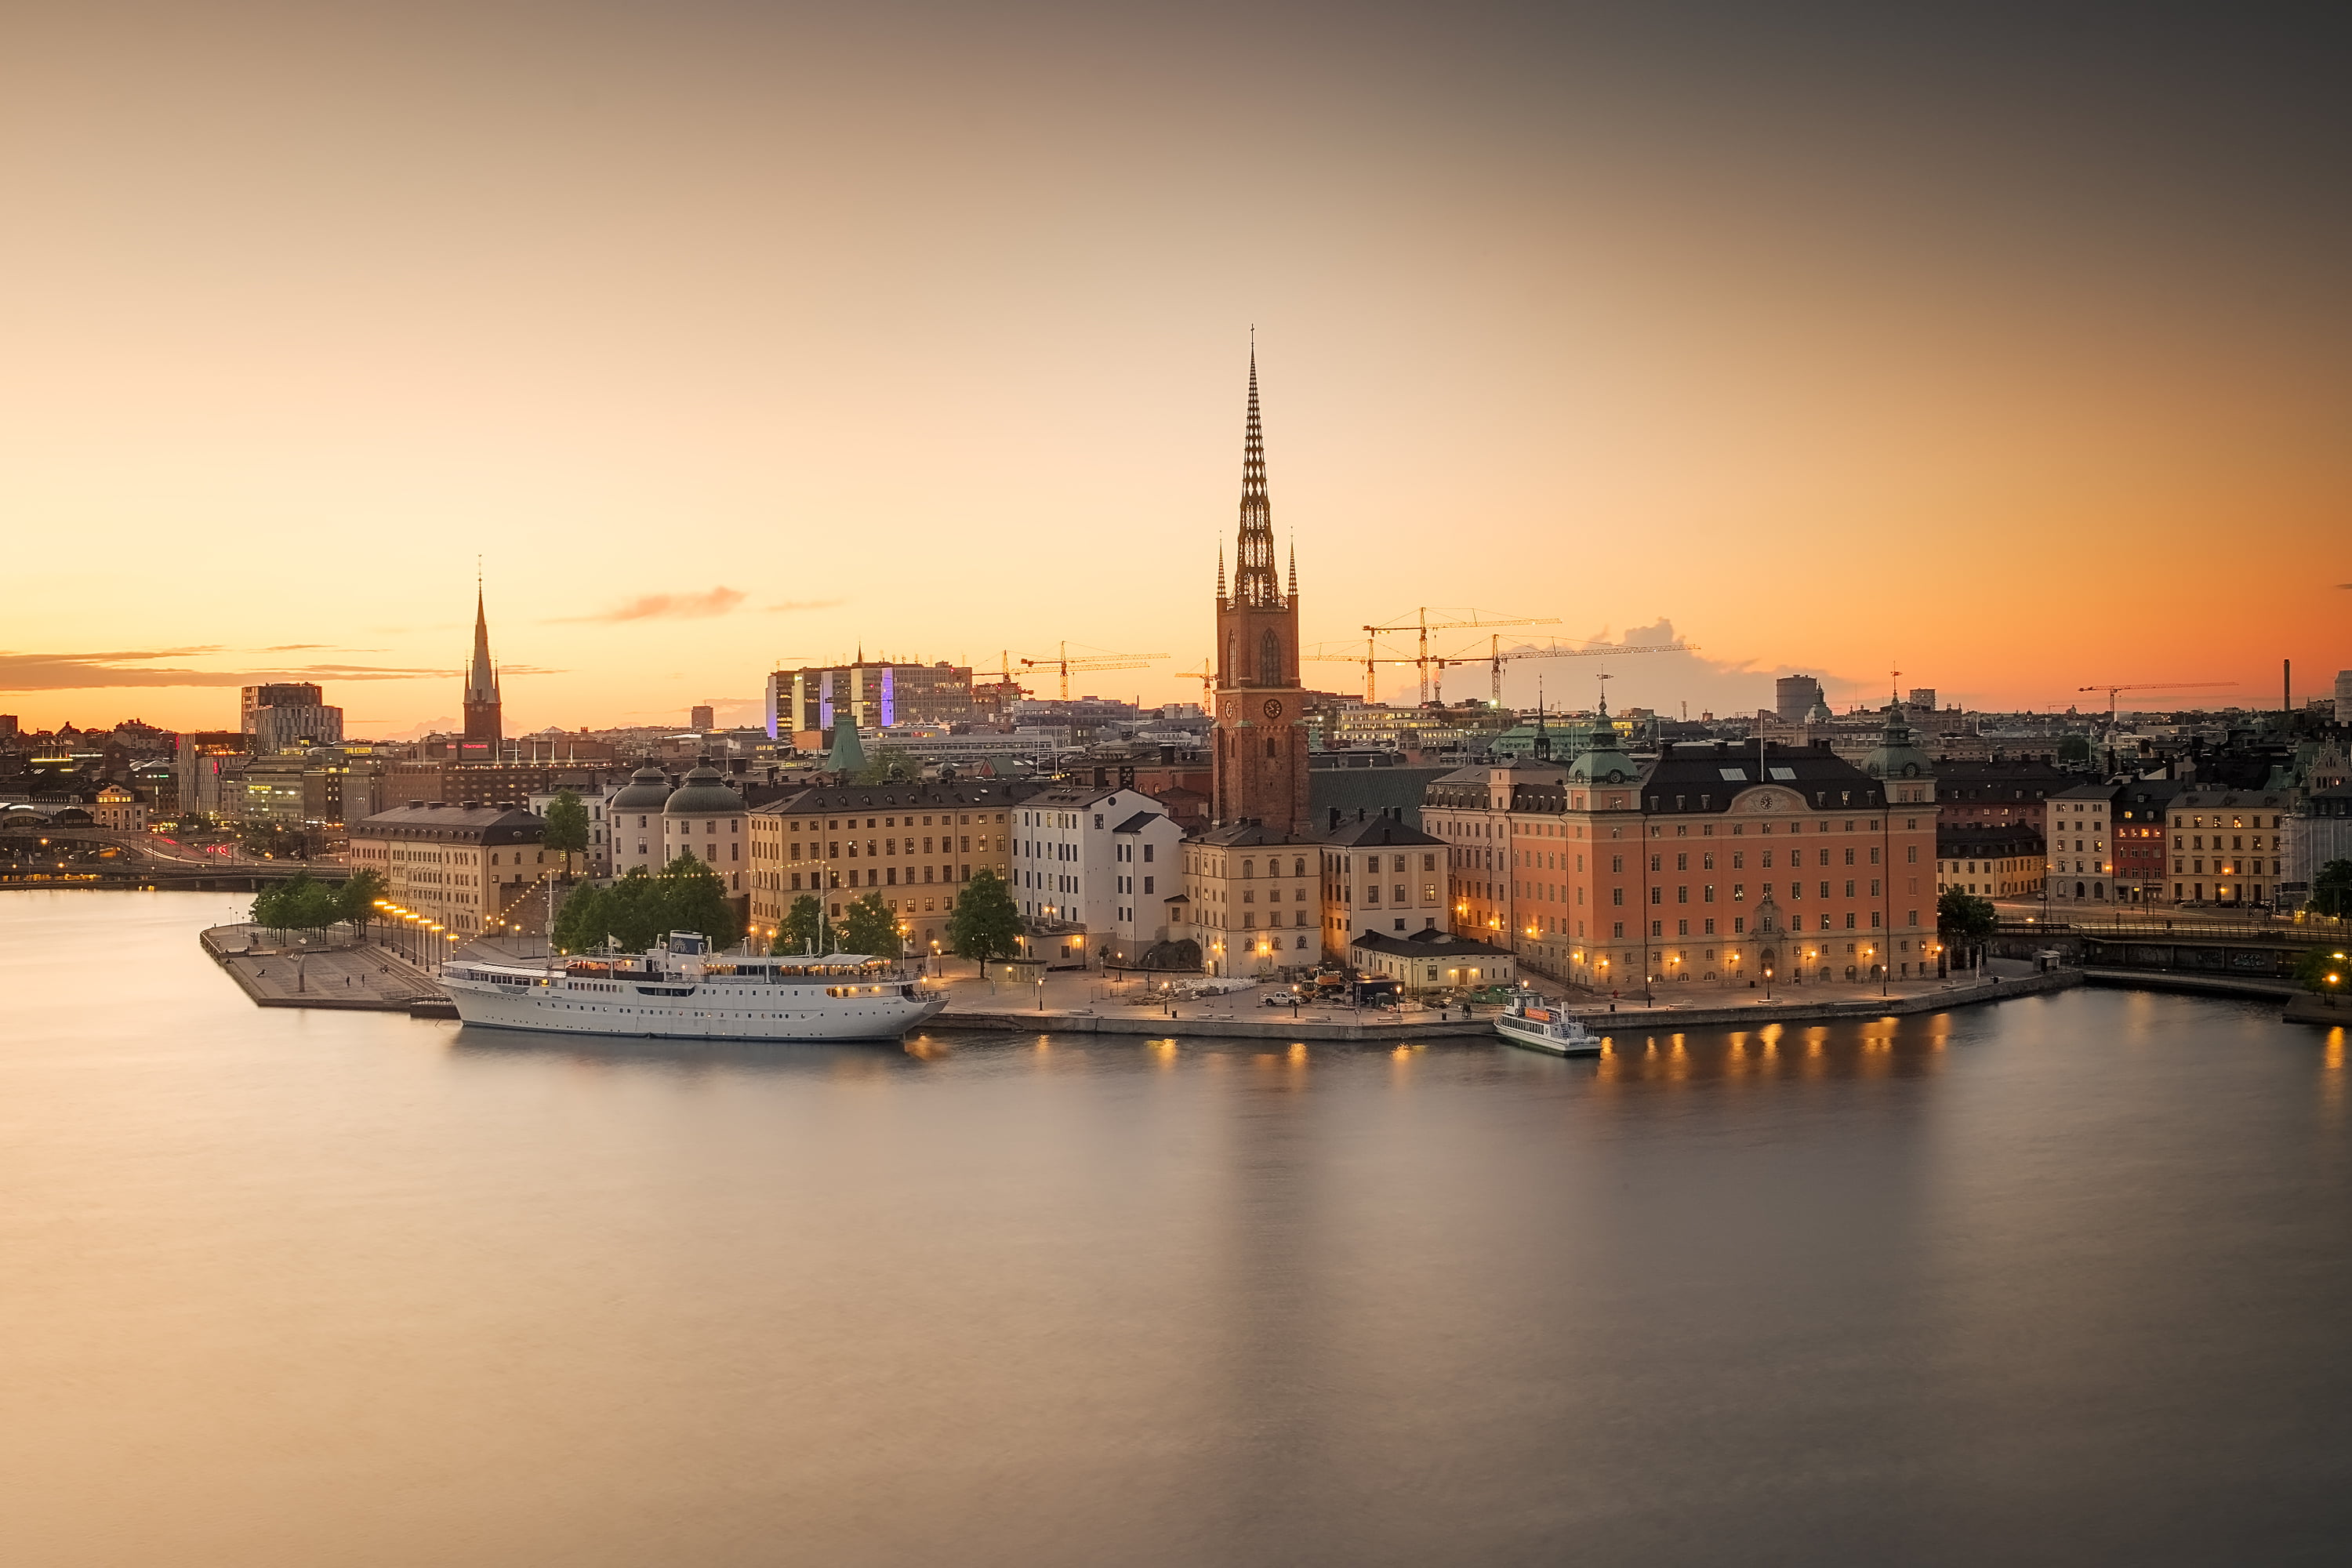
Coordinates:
1196 1020
351 977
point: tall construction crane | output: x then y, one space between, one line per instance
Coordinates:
1207 676
1065 663
2153 686
1421 624
1496 657
1370 659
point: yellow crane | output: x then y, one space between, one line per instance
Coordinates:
2153 686
1421 624
1496 657
1370 659
1065 663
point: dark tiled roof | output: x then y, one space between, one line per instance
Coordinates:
1139 821
1980 840
1432 943
1247 835
466 824
901 796
1381 831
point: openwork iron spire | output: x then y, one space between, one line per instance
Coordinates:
1254 579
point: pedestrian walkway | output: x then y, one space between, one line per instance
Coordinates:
276 973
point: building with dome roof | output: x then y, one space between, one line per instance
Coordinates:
635 813
704 819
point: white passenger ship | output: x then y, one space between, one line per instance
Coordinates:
681 991
1528 1021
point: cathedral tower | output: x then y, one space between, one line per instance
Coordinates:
1260 736
483 724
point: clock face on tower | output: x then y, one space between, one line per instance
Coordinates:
1273 709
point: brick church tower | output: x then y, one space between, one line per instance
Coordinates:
485 732
1260 736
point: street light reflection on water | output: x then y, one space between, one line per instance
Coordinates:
1021 1298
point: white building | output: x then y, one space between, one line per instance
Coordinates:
635 817
597 860
2079 833
1101 859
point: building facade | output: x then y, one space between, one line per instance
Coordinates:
912 845
1433 960
472 868
2229 847
1252 899
1992 860
1710 863
1380 875
2079 833
2319 832
704 820
803 704
1101 862
2143 862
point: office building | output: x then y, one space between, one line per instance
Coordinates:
802 703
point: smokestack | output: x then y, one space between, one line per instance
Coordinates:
2286 684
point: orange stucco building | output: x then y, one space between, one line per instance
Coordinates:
1706 864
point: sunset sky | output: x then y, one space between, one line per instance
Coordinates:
2013 349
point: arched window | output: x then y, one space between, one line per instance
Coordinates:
1269 660
1249 867
1269 746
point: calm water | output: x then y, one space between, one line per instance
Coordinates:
2064 1281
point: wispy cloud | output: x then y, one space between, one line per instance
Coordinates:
791 604
662 607
136 667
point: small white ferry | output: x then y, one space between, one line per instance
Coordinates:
681 991
1530 1022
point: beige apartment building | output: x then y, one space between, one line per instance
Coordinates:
1384 877
2079 832
912 845
1252 899
473 869
2228 845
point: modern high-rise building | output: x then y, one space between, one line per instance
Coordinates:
485 728
2344 697
700 718
1923 700
282 715
1794 697
879 695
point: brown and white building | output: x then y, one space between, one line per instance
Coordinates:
470 867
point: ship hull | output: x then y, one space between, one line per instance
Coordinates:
777 1019
1535 1037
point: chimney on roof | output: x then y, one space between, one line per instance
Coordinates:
415 805
1335 819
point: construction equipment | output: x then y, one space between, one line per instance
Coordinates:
1370 658
2153 686
1207 676
1421 624
1496 657
1065 663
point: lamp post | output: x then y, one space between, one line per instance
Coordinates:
1768 983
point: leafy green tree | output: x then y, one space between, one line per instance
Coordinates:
1963 919
804 925
584 921
355 900
2324 970
2073 748
890 764
870 926
567 828
2331 888
693 899
986 922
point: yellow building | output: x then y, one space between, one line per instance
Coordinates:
912 845
1252 899
472 868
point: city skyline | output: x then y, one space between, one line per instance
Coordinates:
1834 347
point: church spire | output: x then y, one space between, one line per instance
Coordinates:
1220 571
1254 580
482 676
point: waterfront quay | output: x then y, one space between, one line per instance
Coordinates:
343 977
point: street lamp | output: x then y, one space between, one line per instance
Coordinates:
1768 983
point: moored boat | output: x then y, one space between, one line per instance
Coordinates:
1531 1022
681 991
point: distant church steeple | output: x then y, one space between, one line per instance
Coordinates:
483 720
1259 758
